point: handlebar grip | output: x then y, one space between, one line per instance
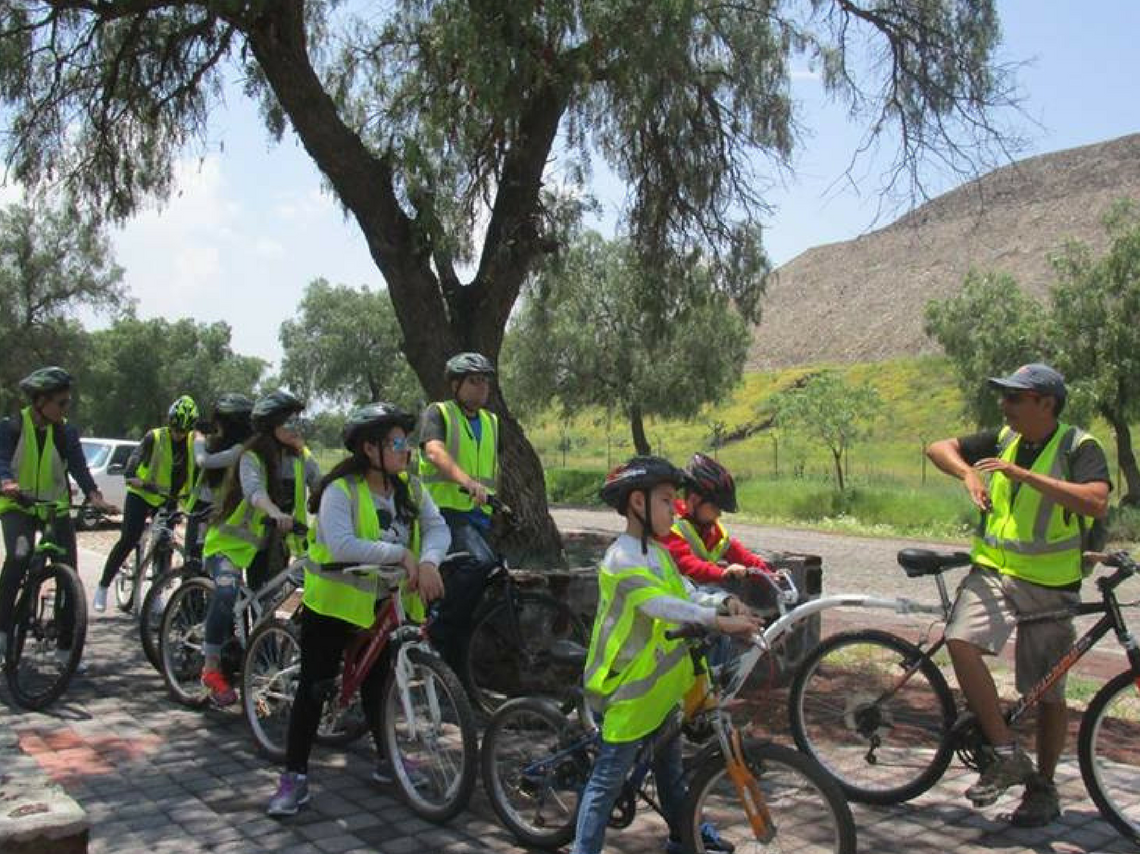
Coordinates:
493 501
299 528
689 630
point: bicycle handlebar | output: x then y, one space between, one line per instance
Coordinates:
493 501
299 528
689 631
26 500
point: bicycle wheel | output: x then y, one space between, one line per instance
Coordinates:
1110 731
808 811
509 653
183 634
125 582
37 668
883 742
155 565
535 764
153 606
429 736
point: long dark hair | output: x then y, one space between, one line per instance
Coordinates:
357 464
270 452
227 432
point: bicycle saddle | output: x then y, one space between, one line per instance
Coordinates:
919 562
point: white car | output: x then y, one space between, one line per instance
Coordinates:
106 460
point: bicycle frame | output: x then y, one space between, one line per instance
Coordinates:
255 602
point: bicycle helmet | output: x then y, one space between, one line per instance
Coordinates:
183 414
464 364
710 480
273 410
45 381
372 421
640 473
231 405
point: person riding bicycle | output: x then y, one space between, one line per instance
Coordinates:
213 455
635 677
270 482
38 451
459 465
161 466
698 540
370 512
1048 481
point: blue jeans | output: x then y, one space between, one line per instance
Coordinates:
220 616
611 767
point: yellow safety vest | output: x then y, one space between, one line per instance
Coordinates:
351 598
41 472
1026 534
161 463
692 536
636 698
477 459
241 536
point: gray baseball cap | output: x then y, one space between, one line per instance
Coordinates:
1034 377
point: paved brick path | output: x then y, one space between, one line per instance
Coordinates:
157 778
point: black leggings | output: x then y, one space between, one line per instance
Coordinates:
19 540
136 512
323 640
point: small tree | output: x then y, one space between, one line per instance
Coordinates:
832 411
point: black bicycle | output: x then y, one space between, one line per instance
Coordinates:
877 713
49 620
153 556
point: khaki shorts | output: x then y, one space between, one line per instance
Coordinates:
986 612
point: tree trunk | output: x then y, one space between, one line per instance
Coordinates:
1126 459
837 455
637 428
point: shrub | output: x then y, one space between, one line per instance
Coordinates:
574 486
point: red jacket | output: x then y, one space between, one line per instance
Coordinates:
702 570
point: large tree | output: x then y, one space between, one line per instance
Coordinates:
429 116
586 337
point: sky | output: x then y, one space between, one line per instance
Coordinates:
250 224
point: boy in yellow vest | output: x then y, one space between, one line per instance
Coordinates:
636 678
1048 480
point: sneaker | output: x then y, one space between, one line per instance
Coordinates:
62 656
714 843
382 774
1039 805
221 692
1014 769
292 794
99 603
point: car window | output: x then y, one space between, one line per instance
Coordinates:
95 453
121 455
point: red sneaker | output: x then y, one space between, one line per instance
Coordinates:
221 692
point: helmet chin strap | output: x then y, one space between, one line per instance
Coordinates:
644 522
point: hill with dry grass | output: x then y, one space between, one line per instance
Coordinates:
863 300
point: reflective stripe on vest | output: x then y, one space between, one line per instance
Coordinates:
241 536
478 459
1026 534
347 597
161 462
697 546
41 472
636 698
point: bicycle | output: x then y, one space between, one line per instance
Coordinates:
537 758
184 627
153 555
34 668
429 728
513 632
876 712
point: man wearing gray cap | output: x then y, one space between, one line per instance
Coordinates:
1048 481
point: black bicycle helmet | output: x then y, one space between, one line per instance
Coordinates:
642 473
183 414
45 381
274 409
464 364
372 421
710 480
233 405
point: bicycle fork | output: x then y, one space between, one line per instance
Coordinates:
403 670
747 787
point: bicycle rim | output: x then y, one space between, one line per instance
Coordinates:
183 634
1110 733
430 738
153 608
532 772
38 670
125 588
807 811
269 684
882 742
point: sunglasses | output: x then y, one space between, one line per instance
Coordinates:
399 444
293 425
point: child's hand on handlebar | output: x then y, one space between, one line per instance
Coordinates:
11 488
284 522
478 492
738 625
735 570
427 581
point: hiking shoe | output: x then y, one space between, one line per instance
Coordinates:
1039 805
714 843
382 773
99 603
1005 771
292 794
221 692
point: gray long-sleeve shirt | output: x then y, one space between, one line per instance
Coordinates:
254 488
338 531
218 460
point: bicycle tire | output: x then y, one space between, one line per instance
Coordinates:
1108 727
499 665
35 674
534 788
125 583
153 606
433 753
155 565
808 809
183 633
839 719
